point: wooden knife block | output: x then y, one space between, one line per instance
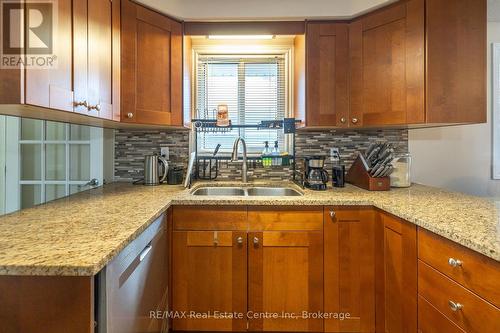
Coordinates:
358 176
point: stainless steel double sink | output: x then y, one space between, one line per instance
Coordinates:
247 191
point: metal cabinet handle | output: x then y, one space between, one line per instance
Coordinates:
239 240
145 252
130 115
256 240
332 214
82 103
354 120
96 107
342 120
455 306
216 238
454 262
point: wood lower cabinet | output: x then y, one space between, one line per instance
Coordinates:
349 268
327 71
268 268
209 279
285 278
56 304
430 320
256 267
151 67
462 307
395 275
470 269
457 288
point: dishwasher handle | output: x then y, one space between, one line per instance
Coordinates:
145 252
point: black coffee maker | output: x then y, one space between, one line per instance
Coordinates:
315 176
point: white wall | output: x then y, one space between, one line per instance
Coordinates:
458 158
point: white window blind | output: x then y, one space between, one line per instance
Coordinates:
254 88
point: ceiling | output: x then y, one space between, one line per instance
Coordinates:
241 10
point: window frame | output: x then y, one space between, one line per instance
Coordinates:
280 48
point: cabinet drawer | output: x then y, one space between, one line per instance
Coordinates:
285 218
349 214
475 314
430 320
476 272
210 218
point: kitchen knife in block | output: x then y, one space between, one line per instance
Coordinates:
359 176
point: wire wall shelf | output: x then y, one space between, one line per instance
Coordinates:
210 125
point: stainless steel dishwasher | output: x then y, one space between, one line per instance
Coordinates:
132 290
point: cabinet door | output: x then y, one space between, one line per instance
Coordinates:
100 58
387 66
151 82
285 278
80 56
327 74
52 87
209 275
349 247
396 275
456 61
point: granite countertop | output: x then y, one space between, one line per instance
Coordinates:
80 234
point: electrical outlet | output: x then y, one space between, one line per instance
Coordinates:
334 154
165 152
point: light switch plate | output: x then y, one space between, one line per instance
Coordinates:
165 152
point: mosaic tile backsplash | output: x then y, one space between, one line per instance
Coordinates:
132 146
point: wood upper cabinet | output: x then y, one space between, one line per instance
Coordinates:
414 62
84 44
395 275
151 67
349 268
456 61
327 70
387 66
209 274
53 87
285 277
100 57
93 53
